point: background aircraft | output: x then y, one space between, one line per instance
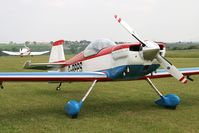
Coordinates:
102 61
24 52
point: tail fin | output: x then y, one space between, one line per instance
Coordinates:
57 52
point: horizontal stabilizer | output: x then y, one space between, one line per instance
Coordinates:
43 66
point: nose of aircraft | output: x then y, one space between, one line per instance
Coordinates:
151 51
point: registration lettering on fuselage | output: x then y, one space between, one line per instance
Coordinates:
77 67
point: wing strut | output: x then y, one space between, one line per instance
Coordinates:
154 87
168 101
72 108
88 92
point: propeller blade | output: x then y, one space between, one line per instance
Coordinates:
130 30
171 69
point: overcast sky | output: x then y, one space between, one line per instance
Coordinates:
49 20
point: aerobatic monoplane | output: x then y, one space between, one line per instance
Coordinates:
103 60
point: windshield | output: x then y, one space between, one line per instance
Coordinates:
97 45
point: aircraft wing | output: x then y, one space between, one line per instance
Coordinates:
161 73
11 53
43 66
39 53
52 76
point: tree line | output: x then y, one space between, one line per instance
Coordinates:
74 47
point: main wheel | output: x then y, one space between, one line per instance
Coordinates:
170 101
72 108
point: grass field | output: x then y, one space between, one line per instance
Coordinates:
111 107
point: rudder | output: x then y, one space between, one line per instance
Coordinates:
57 52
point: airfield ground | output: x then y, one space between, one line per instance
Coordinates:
111 107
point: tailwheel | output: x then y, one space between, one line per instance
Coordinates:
59 86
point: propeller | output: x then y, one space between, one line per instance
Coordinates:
151 50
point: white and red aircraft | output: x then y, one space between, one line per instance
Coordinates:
24 52
102 61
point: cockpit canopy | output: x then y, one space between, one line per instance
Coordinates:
97 45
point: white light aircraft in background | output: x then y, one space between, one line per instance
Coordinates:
25 52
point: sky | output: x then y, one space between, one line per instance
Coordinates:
50 20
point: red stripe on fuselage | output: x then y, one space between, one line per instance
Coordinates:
80 57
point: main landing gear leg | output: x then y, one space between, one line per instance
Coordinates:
59 86
169 101
72 108
1 85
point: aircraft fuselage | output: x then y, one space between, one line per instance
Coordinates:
120 62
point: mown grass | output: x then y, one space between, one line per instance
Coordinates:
111 106
194 53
